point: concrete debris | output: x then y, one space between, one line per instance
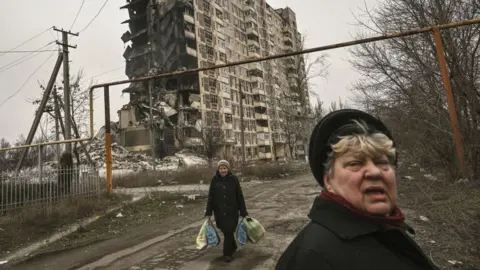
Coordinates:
455 262
423 218
127 161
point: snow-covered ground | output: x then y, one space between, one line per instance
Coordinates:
124 163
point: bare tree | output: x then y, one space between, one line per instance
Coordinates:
340 105
213 139
4 159
402 84
301 70
79 109
296 111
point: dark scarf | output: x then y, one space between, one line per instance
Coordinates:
394 221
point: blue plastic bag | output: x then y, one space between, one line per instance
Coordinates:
242 237
213 239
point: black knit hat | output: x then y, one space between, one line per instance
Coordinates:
330 128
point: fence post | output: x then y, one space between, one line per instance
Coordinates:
108 140
450 100
40 164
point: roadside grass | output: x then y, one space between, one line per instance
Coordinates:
450 233
203 175
151 210
37 222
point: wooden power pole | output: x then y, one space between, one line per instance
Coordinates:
66 85
151 85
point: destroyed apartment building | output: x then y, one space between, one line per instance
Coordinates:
172 35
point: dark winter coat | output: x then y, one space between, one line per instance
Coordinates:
337 239
226 201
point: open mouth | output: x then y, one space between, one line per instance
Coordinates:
375 191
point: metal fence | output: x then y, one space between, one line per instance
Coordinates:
47 186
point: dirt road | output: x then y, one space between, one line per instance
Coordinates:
281 206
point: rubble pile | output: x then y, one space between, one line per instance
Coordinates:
125 160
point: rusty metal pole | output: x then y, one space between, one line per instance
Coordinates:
450 100
108 140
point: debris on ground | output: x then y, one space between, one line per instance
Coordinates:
128 161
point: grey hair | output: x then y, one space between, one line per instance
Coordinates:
372 144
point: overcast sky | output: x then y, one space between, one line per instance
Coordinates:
100 50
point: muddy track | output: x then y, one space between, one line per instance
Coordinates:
170 245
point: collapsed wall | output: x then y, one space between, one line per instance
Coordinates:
161 38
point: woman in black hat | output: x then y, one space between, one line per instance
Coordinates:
227 203
355 222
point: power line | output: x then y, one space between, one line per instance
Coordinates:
9 52
106 72
93 19
24 58
27 41
76 16
28 79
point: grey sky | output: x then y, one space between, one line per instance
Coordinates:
100 49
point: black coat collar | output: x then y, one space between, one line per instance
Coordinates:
218 176
341 221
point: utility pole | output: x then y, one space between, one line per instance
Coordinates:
41 108
66 85
57 122
242 127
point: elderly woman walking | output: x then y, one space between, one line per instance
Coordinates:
226 201
355 222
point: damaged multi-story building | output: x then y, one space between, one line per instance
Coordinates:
172 35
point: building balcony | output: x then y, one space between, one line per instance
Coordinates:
261 116
188 18
219 21
279 140
290 64
256 79
259 104
191 51
250 18
292 74
248 7
254 55
220 34
221 49
262 129
227 126
220 62
227 110
189 34
214 4
223 79
255 67
264 155
263 142
287 49
253 42
287 45
252 31
258 91
224 94
287 38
